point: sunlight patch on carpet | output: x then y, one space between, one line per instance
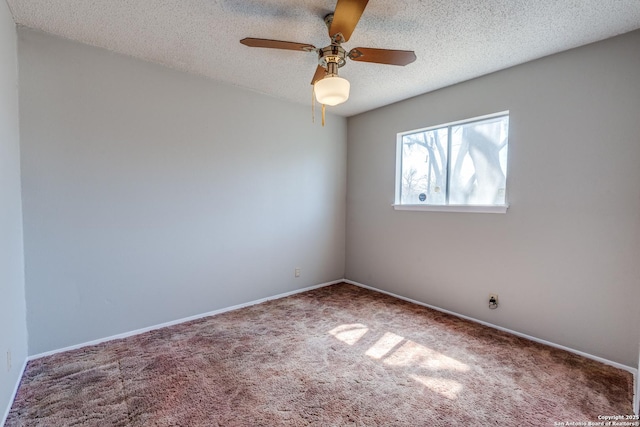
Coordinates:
445 387
384 345
413 354
399 352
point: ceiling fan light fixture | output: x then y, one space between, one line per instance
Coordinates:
332 90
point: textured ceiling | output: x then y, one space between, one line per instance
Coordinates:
454 40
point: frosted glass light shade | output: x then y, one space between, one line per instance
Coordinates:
332 90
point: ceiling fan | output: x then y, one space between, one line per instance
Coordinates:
329 88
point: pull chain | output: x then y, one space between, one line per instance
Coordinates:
313 106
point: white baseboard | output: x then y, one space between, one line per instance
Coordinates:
3 420
634 371
178 321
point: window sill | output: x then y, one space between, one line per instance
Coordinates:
454 208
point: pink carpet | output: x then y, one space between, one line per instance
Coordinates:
334 356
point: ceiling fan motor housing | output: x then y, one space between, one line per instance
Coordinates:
332 57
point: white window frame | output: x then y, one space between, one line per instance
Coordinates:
444 208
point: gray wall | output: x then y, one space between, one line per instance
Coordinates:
151 194
565 258
13 326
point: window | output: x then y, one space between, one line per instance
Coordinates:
459 166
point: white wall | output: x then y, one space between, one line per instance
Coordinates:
565 258
13 327
151 194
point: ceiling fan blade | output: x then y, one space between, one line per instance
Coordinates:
382 56
277 44
346 17
319 75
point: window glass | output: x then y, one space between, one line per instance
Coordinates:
424 167
462 163
479 162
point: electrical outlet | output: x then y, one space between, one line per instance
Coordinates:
296 272
8 360
493 301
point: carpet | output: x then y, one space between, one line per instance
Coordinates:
334 356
